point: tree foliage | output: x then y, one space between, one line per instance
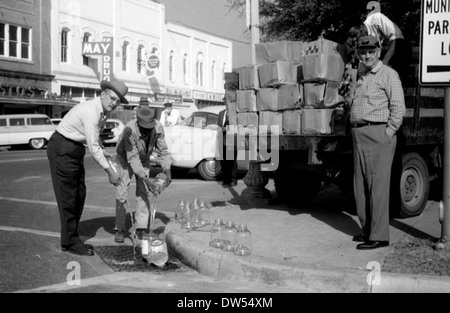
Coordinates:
306 20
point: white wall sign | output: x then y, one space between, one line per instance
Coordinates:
435 43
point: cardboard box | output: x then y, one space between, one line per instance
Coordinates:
292 122
248 78
231 81
278 99
289 51
277 73
246 101
271 123
324 60
322 95
317 121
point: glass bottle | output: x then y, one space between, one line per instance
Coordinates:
216 234
244 241
179 218
229 236
195 213
187 217
204 214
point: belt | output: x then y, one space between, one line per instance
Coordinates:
364 124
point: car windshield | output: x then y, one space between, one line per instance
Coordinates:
201 120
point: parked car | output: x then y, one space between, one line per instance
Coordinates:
21 129
111 132
193 143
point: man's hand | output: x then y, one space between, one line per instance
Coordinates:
107 154
114 179
168 174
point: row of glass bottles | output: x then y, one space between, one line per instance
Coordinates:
192 215
227 237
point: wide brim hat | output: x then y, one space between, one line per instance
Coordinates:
119 88
146 117
368 42
168 105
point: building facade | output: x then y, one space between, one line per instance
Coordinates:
130 40
25 58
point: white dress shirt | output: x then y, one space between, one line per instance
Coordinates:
83 124
170 120
380 26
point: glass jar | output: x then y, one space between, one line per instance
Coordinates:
229 236
187 217
204 214
157 252
216 234
179 218
244 241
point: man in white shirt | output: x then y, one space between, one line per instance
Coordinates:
170 116
66 150
397 52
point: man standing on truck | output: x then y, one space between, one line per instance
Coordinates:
376 114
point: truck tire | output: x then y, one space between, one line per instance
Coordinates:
210 170
414 185
297 188
37 143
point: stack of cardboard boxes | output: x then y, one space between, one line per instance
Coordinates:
292 89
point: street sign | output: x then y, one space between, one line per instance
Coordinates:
435 43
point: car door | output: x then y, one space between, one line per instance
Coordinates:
4 131
18 130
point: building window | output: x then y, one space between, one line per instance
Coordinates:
86 38
2 39
224 70
199 69
125 49
140 59
15 41
185 69
171 66
213 74
64 45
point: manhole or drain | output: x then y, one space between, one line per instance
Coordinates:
123 259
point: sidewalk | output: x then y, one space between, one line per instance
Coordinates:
308 250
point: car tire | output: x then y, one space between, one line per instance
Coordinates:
210 170
37 143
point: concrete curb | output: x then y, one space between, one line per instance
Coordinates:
401 283
193 250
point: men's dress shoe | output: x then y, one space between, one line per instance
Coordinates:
233 184
226 184
119 237
369 245
65 249
359 238
80 250
91 247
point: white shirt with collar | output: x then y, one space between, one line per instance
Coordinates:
380 26
83 124
170 120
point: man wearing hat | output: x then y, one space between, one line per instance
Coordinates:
66 150
138 141
377 111
170 116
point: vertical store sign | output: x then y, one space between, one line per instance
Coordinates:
104 49
435 43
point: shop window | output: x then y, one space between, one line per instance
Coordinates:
26 43
125 53
15 41
199 69
140 58
64 45
86 38
2 39
185 69
171 66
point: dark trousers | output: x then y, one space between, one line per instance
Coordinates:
373 156
66 158
229 165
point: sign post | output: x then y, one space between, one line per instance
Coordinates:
435 71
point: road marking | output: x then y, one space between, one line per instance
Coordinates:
91 207
23 160
30 231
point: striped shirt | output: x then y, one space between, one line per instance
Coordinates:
379 97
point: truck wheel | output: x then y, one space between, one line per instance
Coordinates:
209 170
37 143
297 188
414 185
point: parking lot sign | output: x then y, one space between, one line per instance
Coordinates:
435 43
